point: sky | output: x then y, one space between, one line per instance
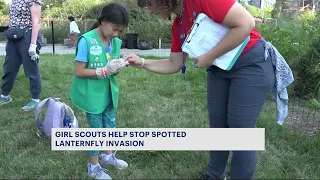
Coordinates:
7 1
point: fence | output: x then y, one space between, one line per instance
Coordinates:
301 117
55 36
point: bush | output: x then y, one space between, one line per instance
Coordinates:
291 38
299 43
74 8
61 30
308 68
148 27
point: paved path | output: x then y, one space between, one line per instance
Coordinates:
60 49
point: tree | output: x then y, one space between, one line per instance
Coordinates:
4 8
75 8
279 5
52 3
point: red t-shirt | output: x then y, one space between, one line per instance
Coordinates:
215 9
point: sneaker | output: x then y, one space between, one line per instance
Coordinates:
30 106
113 161
98 172
5 100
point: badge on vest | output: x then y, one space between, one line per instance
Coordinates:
95 50
108 56
93 41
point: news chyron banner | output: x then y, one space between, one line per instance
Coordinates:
157 139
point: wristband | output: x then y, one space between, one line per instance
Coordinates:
142 63
104 72
101 73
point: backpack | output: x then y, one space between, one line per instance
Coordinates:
56 112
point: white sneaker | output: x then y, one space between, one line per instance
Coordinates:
98 172
113 161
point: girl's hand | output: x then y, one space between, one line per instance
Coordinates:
134 60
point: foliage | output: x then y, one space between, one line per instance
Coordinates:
306 16
148 27
299 43
61 29
308 68
279 5
74 8
4 9
257 12
266 12
52 3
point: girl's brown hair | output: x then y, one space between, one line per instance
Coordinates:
168 4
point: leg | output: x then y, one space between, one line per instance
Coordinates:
31 70
11 68
74 39
95 121
94 168
109 118
109 121
249 90
217 99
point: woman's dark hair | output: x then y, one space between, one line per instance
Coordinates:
169 4
114 13
70 18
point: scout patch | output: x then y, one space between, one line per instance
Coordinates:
95 50
93 41
108 56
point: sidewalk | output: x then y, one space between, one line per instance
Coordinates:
60 49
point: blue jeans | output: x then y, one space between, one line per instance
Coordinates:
235 99
107 119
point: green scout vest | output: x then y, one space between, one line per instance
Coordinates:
91 94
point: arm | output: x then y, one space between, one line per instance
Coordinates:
170 66
36 15
164 66
81 70
241 23
233 15
82 59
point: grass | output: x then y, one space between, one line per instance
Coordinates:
146 100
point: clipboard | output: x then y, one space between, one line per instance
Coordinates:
205 34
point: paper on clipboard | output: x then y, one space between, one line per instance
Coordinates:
205 35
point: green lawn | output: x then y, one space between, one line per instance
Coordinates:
146 100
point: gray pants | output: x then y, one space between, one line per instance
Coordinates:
17 54
235 99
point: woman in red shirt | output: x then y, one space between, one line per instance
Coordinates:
235 98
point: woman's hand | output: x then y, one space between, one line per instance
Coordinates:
134 60
203 61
